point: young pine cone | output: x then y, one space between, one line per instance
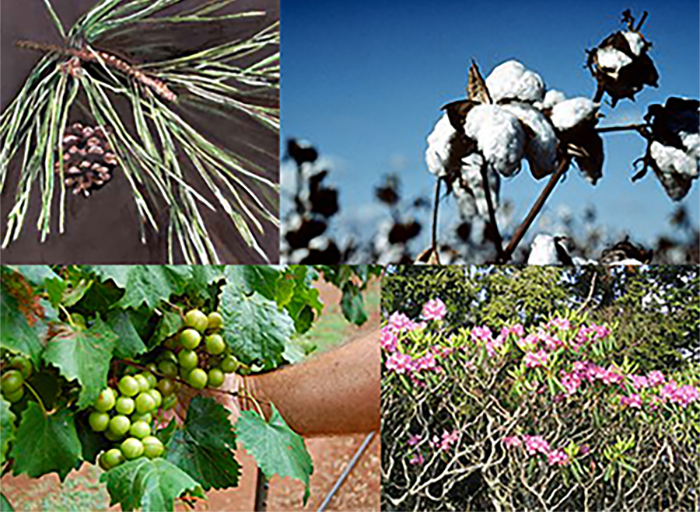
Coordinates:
88 160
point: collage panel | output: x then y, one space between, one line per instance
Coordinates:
208 388
490 132
140 132
540 388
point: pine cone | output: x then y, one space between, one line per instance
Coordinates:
88 159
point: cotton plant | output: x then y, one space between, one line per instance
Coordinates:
511 117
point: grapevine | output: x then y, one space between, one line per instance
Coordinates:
126 368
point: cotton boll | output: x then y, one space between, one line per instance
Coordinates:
499 136
474 183
636 42
551 98
674 169
548 250
612 60
541 140
691 142
570 113
445 149
513 81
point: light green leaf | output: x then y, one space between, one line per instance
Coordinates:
7 427
146 284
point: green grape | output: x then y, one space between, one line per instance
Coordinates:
215 378
111 458
14 397
197 378
132 448
197 320
106 400
188 359
140 429
190 338
99 421
157 397
152 367
119 425
144 385
128 386
168 368
229 364
23 364
168 355
145 403
125 405
169 402
171 343
152 380
215 344
215 321
152 447
147 416
11 381
166 387
112 436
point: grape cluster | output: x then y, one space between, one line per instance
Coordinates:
126 415
15 371
198 355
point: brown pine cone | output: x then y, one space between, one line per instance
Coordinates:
88 159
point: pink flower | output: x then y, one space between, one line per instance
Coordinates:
481 334
571 382
434 309
562 323
417 459
511 442
557 458
536 444
535 359
610 376
399 363
399 322
551 343
518 330
426 363
413 440
685 395
600 331
632 401
388 339
639 382
527 343
655 378
448 439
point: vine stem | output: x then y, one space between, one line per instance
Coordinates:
534 211
38 398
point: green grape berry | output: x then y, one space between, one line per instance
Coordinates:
119 425
152 367
169 402
157 397
99 421
197 320
125 405
229 364
144 385
215 378
171 343
111 459
168 355
215 344
14 397
188 359
214 321
145 403
112 436
168 368
151 379
152 447
22 364
106 400
197 378
140 429
190 338
128 386
11 381
147 417
132 448
166 387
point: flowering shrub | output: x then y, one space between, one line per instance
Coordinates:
554 415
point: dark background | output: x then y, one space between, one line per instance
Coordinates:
104 227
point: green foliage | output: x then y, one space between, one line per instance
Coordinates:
277 449
7 426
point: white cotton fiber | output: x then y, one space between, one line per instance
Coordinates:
499 136
541 140
513 81
570 113
445 150
636 42
611 60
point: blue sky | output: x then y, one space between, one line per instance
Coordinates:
364 81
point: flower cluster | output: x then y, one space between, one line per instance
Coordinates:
535 445
434 309
442 443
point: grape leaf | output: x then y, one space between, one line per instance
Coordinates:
168 325
83 354
151 485
17 335
146 284
46 443
7 427
129 343
353 305
5 505
276 447
255 278
204 446
43 276
254 327
91 442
